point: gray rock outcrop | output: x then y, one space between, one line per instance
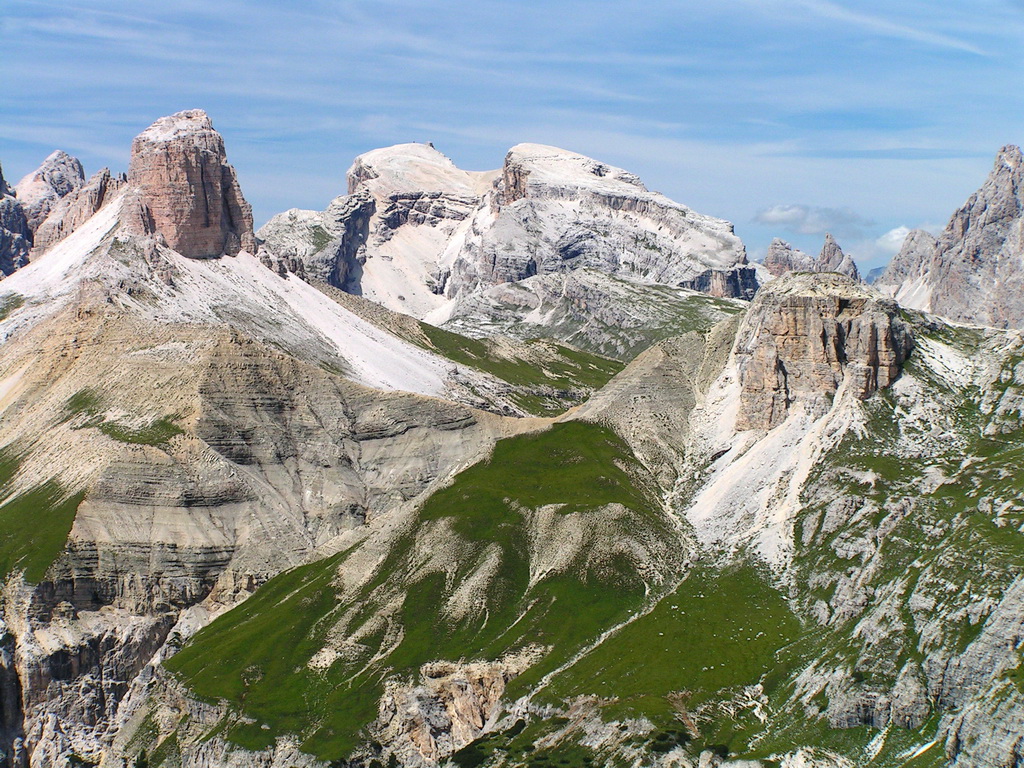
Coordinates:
832 259
186 191
908 265
974 272
420 236
783 258
423 724
556 211
807 334
74 209
15 234
58 176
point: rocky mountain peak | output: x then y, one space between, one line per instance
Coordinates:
406 168
39 191
974 273
783 257
185 189
832 259
804 336
1010 156
913 256
538 169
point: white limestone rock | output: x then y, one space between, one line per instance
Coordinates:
974 272
59 175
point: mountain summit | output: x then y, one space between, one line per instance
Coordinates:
974 271
186 191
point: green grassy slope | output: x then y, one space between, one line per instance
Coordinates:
34 525
255 657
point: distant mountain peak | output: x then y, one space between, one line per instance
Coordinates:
186 191
974 272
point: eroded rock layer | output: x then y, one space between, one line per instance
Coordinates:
806 335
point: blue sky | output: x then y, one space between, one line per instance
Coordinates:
787 117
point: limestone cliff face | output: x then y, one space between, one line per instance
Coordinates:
186 190
15 235
555 211
974 273
806 335
783 258
77 207
58 176
908 266
329 246
421 236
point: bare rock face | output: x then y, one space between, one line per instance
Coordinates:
908 265
425 723
974 273
77 207
832 259
329 245
783 258
555 211
58 176
804 336
15 235
186 190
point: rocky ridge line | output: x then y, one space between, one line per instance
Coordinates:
783 258
974 272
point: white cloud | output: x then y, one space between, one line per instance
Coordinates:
890 243
885 27
812 220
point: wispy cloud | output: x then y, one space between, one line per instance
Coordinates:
886 27
822 101
811 220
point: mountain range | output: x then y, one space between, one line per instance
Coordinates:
528 467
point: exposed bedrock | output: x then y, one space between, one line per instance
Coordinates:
186 190
804 336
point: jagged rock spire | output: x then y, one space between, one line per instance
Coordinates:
783 258
832 259
974 273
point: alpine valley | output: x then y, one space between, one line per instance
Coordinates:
529 467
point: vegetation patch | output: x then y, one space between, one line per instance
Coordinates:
158 432
34 525
551 373
85 402
10 302
718 631
257 655
87 405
